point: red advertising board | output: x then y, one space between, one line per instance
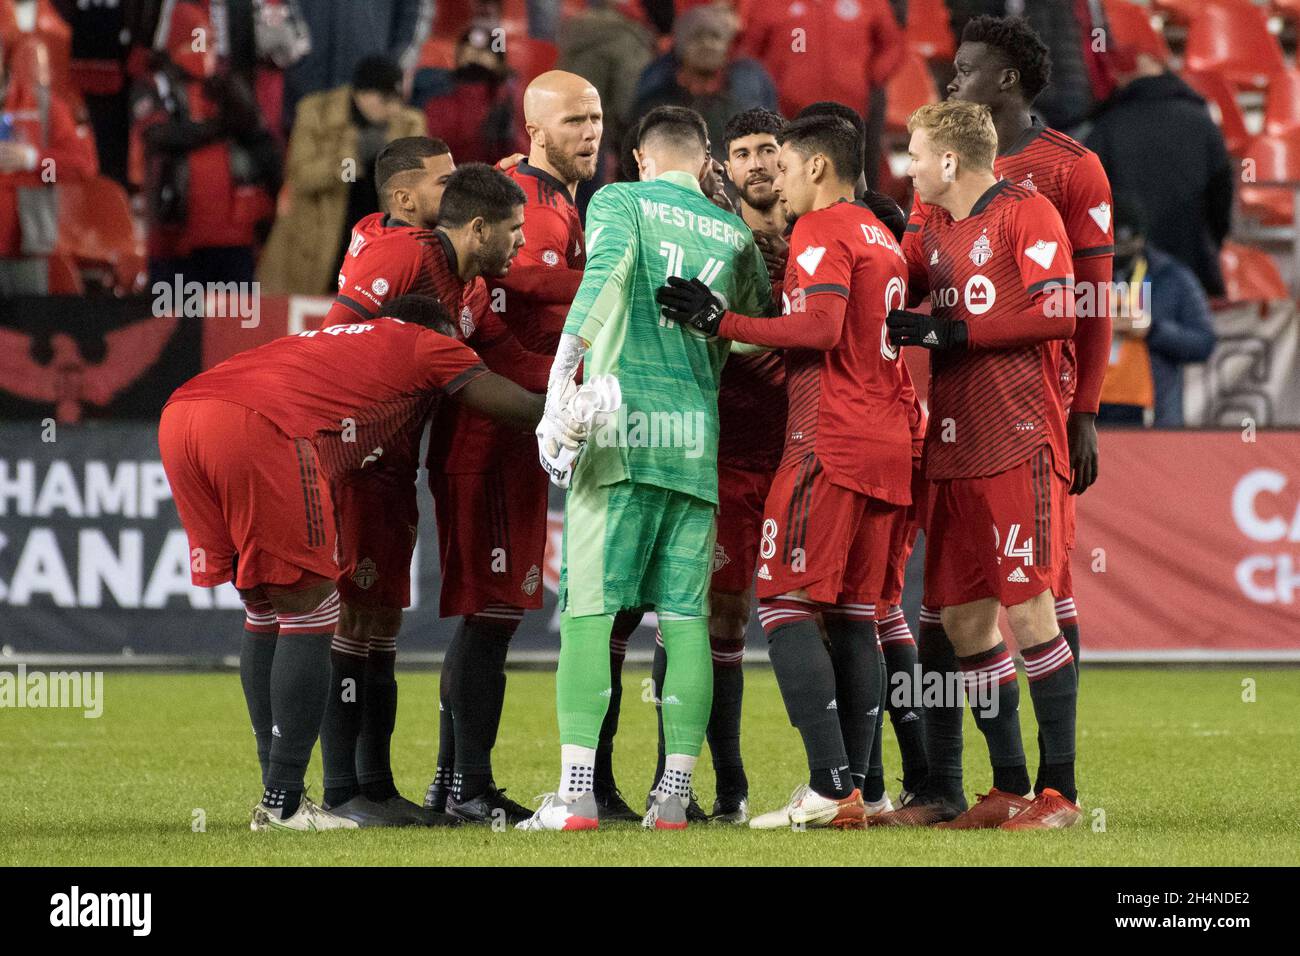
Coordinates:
1190 542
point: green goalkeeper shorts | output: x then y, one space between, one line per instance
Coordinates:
630 545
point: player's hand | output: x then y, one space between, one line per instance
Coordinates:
565 429
1081 429
690 302
776 253
511 161
927 331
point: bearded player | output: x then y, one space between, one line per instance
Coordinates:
996 262
845 470
250 448
1003 64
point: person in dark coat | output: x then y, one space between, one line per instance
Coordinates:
1156 140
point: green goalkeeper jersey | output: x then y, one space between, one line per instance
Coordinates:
638 234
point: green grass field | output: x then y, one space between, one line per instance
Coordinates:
1175 769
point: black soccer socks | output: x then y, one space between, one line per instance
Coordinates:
855 655
1054 689
378 718
994 696
342 723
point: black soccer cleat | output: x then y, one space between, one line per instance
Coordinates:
367 813
612 808
435 798
730 808
488 807
416 815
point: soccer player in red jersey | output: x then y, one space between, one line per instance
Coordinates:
404 251
845 469
1004 65
995 259
250 448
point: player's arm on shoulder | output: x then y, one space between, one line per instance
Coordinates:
611 252
457 370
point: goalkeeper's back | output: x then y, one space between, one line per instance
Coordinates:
638 234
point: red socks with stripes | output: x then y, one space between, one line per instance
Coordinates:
1054 689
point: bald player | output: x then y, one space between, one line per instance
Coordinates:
490 495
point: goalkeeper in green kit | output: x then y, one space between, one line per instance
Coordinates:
639 518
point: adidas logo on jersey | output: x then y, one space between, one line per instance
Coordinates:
764 573
832 705
930 338
1042 253
1018 576
811 258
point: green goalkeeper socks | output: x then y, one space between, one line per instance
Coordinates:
582 680
687 693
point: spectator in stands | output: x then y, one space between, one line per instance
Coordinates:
702 74
610 51
40 144
336 138
1161 322
473 108
345 32
210 168
824 51
1156 140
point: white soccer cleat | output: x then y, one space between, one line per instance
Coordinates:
557 814
877 807
808 809
309 818
667 812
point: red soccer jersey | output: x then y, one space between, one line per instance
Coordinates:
991 408
388 258
1071 177
751 412
553 242
353 390
849 405
824 49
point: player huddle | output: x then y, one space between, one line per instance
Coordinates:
776 331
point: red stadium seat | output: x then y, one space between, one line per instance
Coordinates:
1282 102
1231 37
1131 27
438 53
96 229
1276 159
530 58
909 88
1222 100
1177 11
929 31
1250 274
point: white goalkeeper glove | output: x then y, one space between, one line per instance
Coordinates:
563 433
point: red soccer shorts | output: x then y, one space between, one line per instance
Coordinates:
377 516
1001 536
820 537
902 537
741 495
491 537
246 490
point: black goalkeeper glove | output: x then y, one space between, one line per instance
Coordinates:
927 331
691 303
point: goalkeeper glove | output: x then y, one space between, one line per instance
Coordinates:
927 331
691 303
563 433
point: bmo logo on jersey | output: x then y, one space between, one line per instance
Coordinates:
979 294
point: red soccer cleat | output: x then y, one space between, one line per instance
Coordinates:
991 810
1048 811
918 812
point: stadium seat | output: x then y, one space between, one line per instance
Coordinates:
1231 37
929 31
909 88
96 230
1177 11
1224 108
1282 102
1276 160
1131 27
64 277
530 58
438 53
1250 274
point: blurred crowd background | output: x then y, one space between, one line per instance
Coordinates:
233 140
